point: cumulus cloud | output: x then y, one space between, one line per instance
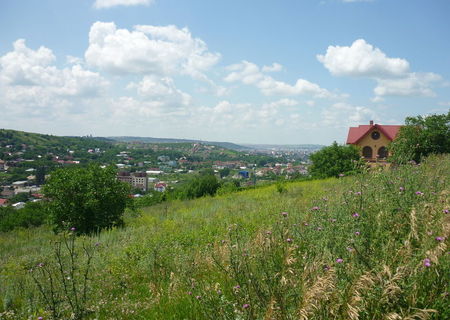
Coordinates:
161 91
392 75
163 51
33 85
343 115
414 84
362 60
275 67
250 74
101 4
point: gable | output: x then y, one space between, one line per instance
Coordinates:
355 134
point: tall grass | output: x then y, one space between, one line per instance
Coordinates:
372 246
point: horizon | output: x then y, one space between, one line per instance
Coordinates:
244 73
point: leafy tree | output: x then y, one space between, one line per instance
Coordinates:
334 160
201 185
224 172
420 137
88 199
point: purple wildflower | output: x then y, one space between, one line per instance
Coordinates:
73 229
40 318
350 249
306 224
246 306
268 233
427 262
40 265
237 287
339 260
439 238
223 241
355 215
319 228
289 240
402 189
198 297
326 268
284 214
419 193
358 193
357 233
341 175
189 293
445 211
315 208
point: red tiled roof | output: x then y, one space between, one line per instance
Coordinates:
357 133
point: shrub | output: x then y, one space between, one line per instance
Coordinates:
88 199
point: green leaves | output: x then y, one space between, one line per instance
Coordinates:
89 199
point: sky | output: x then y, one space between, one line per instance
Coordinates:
253 71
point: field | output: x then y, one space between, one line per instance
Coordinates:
371 246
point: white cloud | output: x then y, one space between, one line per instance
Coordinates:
250 74
148 50
275 67
161 91
343 115
414 84
100 4
362 60
32 85
392 75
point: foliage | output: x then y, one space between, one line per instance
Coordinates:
228 187
202 185
88 199
334 160
420 137
370 246
32 215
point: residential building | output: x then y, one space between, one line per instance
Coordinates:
136 180
373 139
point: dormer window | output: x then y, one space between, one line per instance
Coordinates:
375 135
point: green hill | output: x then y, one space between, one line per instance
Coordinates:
372 246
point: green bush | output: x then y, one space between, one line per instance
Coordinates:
88 199
32 215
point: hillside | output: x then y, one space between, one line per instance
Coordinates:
373 246
227 145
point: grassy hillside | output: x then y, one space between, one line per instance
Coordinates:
373 246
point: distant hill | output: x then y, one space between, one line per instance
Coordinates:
227 145
285 147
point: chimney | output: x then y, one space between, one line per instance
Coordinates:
371 122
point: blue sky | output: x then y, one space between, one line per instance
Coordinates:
286 72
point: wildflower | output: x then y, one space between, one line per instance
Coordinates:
246 306
40 318
325 199
284 214
306 224
40 265
350 249
427 262
198 297
189 293
97 244
333 220
355 215
358 193
237 287
341 175
357 233
339 260
73 229
439 238
326 268
419 193
319 228
219 292
315 208
445 211
289 240
268 233
223 241
402 189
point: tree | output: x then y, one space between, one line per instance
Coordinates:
334 160
420 137
88 199
202 185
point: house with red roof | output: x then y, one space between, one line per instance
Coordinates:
3 202
373 139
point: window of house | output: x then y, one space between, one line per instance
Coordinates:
367 152
382 153
375 135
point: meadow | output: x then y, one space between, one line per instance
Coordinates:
369 246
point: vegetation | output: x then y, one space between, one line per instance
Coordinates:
86 199
420 137
369 246
334 160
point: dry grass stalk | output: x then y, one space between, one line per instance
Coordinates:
272 310
393 316
365 282
318 292
391 287
413 223
422 314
